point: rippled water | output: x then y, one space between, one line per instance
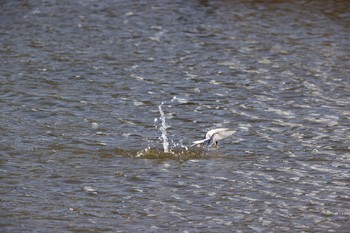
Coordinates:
81 141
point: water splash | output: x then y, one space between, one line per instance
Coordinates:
163 130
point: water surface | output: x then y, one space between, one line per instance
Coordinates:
81 141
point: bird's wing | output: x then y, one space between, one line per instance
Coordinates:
211 132
199 142
222 134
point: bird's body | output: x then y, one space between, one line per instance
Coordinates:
214 135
